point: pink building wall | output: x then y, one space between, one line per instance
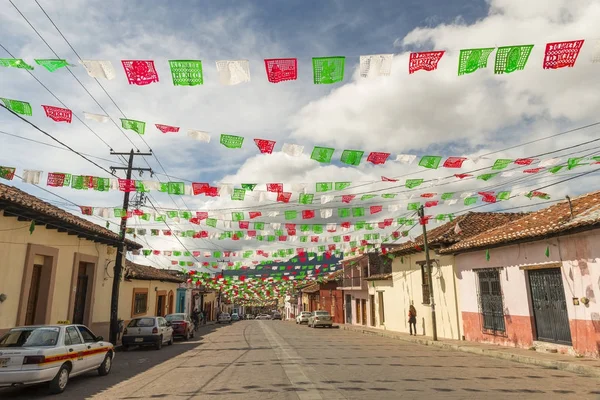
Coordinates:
579 255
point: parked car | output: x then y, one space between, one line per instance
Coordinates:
320 318
235 317
52 353
182 325
302 318
276 315
263 316
147 331
249 316
224 318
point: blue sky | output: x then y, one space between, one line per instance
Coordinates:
425 113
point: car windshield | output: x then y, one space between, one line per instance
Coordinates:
141 323
15 338
305 313
42 337
321 313
175 317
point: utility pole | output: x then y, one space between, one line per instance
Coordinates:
114 301
429 278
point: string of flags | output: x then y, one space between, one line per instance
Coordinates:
325 70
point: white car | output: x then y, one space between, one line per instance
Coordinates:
263 316
224 318
52 353
147 331
320 318
302 318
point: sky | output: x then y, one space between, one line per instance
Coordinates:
425 113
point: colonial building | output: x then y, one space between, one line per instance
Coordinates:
55 266
533 282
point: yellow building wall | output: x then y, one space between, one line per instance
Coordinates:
126 296
14 240
406 287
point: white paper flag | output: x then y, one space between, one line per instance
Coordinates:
151 185
451 202
272 213
225 189
31 176
549 162
233 72
104 212
325 198
406 158
299 187
476 160
393 207
227 224
275 225
466 194
376 65
292 238
596 52
99 68
508 173
294 150
199 135
332 227
189 190
96 117
114 184
326 213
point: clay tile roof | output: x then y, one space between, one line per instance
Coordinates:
379 277
470 224
311 288
20 204
335 275
148 273
547 222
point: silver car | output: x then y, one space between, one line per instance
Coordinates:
320 318
147 331
302 318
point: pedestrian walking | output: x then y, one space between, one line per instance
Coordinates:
412 319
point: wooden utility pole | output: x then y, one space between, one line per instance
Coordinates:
114 301
429 274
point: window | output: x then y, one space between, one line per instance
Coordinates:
490 300
425 284
71 331
140 301
141 323
88 336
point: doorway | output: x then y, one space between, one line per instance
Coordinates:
161 303
372 301
549 306
170 303
34 294
348 309
81 295
359 317
363 303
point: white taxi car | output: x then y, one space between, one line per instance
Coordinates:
51 353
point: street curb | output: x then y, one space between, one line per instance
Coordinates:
553 364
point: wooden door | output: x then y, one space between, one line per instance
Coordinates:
364 311
34 292
372 301
80 295
357 305
160 306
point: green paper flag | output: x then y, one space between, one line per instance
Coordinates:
172 214
388 195
413 206
176 188
231 141
317 228
342 185
238 194
358 225
304 228
470 200
139 185
136 126
159 218
7 173
145 217
554 170
352 157
343 212
306 198
79 182
304 239
487 255
431 162
185 214
369 227
211 222
32 227
186 72
470 60
324 186
547 253
487 177
358 212
574 162
328 70
337 239
119 212
511 58
501 163
16 106
15 63
146 252
413 183
52 64
505 195
291 214
248 186
447 196
259 226
440 217
237 216
322 154
367 196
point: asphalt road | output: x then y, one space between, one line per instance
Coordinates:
280 360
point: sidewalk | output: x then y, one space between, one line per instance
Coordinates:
582 366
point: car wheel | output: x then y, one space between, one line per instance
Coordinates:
59 383
170 342
106 365
158 344
192 334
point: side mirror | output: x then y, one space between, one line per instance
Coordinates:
99 339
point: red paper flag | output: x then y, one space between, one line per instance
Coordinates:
251 233
284 197
347 198
195 221
167 232
281 69
314 239
126 185
291 231
265 146
388 221
58 114
524 161
395 234
384 179
244 224
561 54
201 215
346 238
428 195
290 226
200 188
375 209
454 162
381 225
426 61
424 220
254 214
488 197
378 158
331 247
462 176
85 210
140 72
533 170
308 214
203 234
167 128
55 179
212 191
345 224
275 187
138 212
431 203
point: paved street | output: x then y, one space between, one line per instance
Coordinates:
280 360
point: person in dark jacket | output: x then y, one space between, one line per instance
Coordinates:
412 319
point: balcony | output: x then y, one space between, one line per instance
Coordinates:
355 282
